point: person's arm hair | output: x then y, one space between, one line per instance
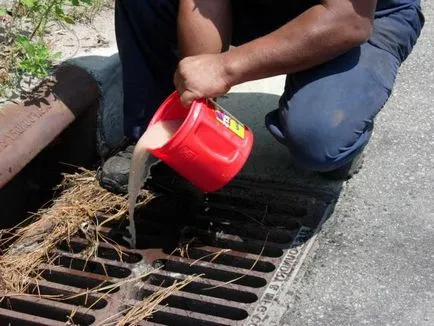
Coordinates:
204 26
319 34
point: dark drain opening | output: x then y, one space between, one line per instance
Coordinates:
205 289
146 239
102 252
12 321
251 216
228 260
73 247
248 231
248 247
239 245
258 204
203 307
211 273
93 267
41 310
88 301
81 282
112 254
165 318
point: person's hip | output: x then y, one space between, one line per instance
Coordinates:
397 31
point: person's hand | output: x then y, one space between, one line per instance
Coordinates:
201 76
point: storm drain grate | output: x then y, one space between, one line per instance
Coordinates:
245 242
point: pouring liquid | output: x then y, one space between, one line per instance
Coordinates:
155 136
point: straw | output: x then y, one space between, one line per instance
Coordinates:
134 314
81 202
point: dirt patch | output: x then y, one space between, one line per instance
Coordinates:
93 29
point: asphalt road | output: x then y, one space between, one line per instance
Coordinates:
373 261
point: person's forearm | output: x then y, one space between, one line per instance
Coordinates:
204 26
314 37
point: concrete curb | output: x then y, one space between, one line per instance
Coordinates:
28 127
104 66
87 81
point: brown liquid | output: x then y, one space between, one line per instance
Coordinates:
155 136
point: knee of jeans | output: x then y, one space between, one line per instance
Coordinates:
314 144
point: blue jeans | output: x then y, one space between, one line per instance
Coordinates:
325 115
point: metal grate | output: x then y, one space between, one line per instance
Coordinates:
264 227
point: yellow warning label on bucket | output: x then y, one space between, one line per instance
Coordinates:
231 123
237 128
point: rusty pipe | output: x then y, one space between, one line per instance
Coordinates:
26 128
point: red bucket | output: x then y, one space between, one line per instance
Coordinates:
209 148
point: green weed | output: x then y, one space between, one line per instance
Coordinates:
22 41
35 57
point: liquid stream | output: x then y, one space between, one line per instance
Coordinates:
156 136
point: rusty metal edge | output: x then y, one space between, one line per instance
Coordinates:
29 318
26 128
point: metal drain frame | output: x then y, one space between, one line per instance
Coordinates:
290 216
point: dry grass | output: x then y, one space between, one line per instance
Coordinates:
78 207
144 309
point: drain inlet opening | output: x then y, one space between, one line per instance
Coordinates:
211 273
170 319
51 312
11 321
245 230
229 202
87 301
203 307
93 267
246 246
204 289
81 282
102 252
228 260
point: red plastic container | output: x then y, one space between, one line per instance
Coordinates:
209 148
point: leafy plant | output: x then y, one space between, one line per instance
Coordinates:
36 58
23 39
40 12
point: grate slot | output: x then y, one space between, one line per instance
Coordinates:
9 317
88 301
145 239
228 226
210 283
92 267
77 245
228 260
212 273
78 281
257 204
171 319
204 289
37 308
230 242
207 308
251 216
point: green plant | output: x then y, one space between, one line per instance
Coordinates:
35 57
40 12
87 14
23 47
